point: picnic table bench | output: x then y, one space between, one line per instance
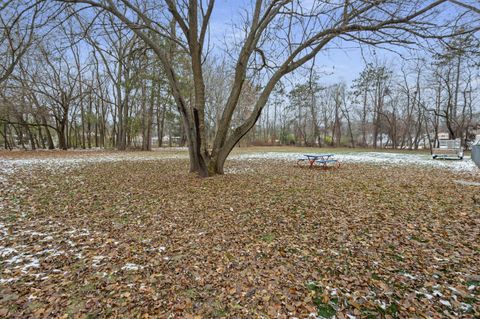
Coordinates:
321 160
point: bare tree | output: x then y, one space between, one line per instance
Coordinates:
308 32
19 21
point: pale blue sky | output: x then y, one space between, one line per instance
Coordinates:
340 64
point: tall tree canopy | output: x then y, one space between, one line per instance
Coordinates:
275 38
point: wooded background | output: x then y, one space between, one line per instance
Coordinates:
133 74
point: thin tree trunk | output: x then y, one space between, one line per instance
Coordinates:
161 124
50 143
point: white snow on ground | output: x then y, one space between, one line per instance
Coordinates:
10 165
96 260
58 164
6 251
467 183
27 261
132 267
376 158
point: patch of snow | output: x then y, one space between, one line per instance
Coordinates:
377 158
48 238
34 263
3 230
96 260
445 303
7 280
50 252
34 233
334 252
409 276
236 170
382 304
454 290
6 251
15 259
162 249
131 266
8 166
39 275
467 183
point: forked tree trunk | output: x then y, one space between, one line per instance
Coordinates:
199 161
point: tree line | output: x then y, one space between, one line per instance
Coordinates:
407 105
123 74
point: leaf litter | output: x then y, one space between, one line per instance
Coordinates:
142 238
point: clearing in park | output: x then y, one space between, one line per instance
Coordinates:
108 234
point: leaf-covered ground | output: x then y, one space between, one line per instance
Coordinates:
145 239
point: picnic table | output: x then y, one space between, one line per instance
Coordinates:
322 160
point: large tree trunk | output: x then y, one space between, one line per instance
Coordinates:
62 143
63 130
220 154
